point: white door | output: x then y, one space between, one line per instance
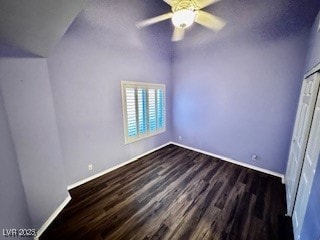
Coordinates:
300 137
308 171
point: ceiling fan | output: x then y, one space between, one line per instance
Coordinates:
184 14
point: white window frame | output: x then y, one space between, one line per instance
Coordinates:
136 85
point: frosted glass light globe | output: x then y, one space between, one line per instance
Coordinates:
183 18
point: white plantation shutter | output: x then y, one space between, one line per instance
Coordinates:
152 109
143 110
131 112
160 108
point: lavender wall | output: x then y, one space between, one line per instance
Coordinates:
236 91
28 102
314 51
99 51
13 206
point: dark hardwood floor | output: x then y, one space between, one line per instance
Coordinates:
175 193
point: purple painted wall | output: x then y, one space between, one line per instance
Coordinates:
27 96
235 92
314 51
311 226
101 49
13 206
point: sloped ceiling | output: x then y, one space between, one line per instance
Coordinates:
36 25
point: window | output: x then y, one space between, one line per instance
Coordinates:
143 110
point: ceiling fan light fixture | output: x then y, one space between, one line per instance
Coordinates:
183 14
183 18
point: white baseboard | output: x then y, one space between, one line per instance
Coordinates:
233 161
52 217
115 167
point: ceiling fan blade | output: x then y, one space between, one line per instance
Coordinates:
209 21
153 20
170 2
204 3
178 34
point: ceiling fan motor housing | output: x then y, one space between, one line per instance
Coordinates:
183 18
183 13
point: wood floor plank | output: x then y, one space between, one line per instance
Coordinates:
175 193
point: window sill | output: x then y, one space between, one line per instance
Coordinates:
135 139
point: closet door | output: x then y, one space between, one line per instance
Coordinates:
300 137
308 171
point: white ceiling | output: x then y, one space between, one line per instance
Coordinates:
36 25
